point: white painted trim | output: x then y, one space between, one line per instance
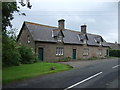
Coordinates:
52 34
78 37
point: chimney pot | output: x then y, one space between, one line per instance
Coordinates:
83 28
61 23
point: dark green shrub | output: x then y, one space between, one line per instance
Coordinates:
10 54
27 54
114 53
65 59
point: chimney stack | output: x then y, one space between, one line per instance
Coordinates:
83 28
61 23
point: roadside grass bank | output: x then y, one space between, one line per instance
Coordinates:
25 71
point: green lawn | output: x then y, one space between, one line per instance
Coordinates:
25 71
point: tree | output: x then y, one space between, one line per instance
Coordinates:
8 8
10 52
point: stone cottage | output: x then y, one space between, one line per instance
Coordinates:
54 43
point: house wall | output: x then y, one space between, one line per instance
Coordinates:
50 51
23 38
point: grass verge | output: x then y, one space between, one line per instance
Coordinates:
26 71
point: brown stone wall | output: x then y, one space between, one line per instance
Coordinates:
50 51
23 38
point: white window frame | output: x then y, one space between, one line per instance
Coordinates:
85 51
59 38
100 43
56 51
59 51
84 41
52 34
28 39
78 37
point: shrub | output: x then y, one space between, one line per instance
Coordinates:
10 54
27 54
114 53
65 59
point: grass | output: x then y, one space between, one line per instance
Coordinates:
25 71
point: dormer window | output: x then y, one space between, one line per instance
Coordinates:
84 41
98 40
83 38
59 38
95 40
58 35
28 39
100 43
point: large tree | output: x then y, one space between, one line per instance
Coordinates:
10 53
8 8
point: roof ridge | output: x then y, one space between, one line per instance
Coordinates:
39 24
56 27
93 34
73 30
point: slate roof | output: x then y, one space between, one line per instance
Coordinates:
115 46
45 33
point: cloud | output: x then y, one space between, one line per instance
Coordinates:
100 17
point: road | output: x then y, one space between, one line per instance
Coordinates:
99 74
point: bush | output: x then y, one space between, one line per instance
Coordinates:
114 53
65 59
27 54
10 54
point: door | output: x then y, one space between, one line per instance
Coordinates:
40 54
74 53
107 52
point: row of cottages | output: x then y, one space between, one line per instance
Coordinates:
53 43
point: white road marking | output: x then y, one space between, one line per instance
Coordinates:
115 66
83 80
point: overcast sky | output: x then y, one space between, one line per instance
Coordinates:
100 17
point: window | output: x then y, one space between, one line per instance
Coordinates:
100 43
28 39
100 52
59 51
59 38
86 52
84 41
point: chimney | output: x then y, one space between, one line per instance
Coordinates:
61 23
83 28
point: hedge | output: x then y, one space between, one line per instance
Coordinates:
114 53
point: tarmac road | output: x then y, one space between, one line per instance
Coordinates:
92 74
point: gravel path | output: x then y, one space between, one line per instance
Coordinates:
82 63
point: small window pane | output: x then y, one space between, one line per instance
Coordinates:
28 39
59 51
86 51
99 51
